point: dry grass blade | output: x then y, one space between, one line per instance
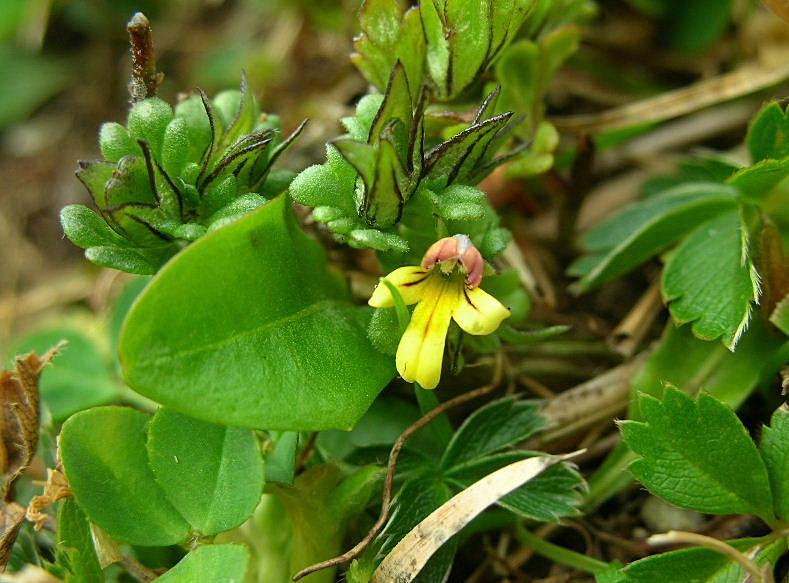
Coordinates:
745 80
412 553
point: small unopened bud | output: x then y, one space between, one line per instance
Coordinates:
450 251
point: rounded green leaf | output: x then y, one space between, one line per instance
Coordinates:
247 327
213 475
104 457
214 563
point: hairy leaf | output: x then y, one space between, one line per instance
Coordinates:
104 458
711 281
248 327
213 475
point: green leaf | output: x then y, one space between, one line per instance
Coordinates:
701 565
85 228
37 77
136 261
248 327
319 505
211 474
698 455
148 121
711 281
756 181
492 428
330 184
214 563
457 159
694 26
79 378
75 551
682 360
390 33
768 134
646 228
775 452
553 494
104 458
281 459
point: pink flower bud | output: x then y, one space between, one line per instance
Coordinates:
457 249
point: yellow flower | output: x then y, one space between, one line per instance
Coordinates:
444 287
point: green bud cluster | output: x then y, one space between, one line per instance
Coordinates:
169 176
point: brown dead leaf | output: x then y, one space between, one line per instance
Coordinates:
56 488
12 516
780 7
19 417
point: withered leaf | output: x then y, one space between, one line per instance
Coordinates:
413 551
12 516
19 417
56 488
780 7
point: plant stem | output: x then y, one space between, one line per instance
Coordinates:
441 428
560 554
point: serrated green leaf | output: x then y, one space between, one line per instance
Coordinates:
701 565
775 451
646 228
213 475
492 428
768 134
75 551
711 281
300 355
698 455
215 563
755 182
553 494
103 451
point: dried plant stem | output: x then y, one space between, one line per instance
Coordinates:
631 331
390 469
306 453
137 570
674 537
145 79
590 402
